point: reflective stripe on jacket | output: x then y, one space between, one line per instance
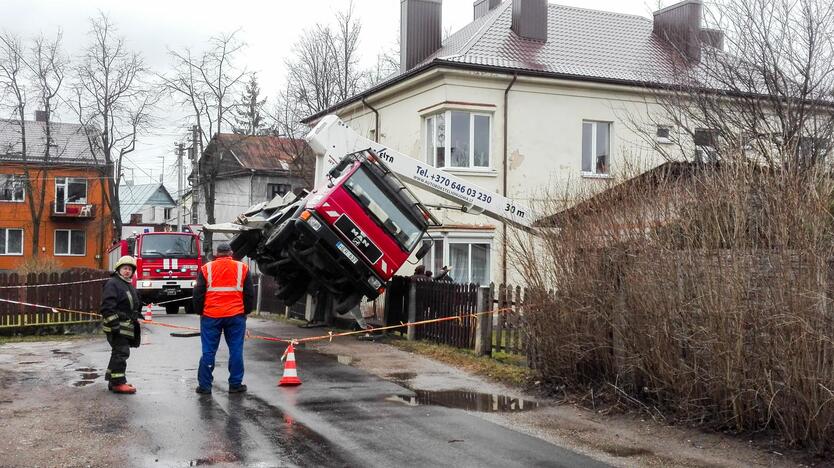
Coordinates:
224 287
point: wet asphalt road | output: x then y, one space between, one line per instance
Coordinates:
340 416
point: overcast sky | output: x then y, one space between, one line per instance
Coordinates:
269 29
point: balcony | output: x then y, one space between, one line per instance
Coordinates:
69 211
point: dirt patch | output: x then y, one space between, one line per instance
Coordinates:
31 406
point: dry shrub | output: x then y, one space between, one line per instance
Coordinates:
700 290
39 265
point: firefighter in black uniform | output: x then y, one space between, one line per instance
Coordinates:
120 308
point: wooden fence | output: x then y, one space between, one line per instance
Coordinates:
77 289
409 300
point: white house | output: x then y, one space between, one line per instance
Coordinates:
526 97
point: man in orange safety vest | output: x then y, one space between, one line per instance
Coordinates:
223 296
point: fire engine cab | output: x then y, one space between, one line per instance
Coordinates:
167 266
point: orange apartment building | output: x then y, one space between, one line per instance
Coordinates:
75 227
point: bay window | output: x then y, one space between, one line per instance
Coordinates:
458 139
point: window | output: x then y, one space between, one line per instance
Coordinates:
388 214
663 134
11 241
167 213
465 145
596 147
70 242
468 258
705 145
69 190
11 188
277 190
169 245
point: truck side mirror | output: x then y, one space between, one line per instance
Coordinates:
424 249
338 168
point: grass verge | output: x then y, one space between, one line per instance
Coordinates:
503 368
38 338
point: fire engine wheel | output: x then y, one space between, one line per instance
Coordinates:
172 308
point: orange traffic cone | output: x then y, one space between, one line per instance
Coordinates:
149 313
290 377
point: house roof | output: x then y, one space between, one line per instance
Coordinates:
582 44
132 198
259 152
70 145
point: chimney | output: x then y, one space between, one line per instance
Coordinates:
483 7
680 24
530 19
713 38
421 33
40 116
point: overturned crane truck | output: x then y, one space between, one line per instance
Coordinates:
351 234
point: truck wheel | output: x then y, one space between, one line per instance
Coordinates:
189 307
292 291
172 308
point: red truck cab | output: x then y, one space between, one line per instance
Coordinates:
348 237
167 266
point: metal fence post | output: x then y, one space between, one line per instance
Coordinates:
412 310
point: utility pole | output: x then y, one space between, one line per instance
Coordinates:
195 173
179 186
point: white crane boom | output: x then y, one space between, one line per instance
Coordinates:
333 139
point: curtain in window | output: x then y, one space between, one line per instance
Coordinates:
480 264
602 148
15 241
459 261
78 242
440 141
587 144
481 139
62 242
460 139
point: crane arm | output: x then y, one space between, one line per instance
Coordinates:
333 139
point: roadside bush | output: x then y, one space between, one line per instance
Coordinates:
704 291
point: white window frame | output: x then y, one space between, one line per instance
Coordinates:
447 115
662 140
593 172
69 243
468 238
23 194
66 189
6 246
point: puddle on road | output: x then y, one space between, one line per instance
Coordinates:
59 352
86 369
30 362
82 383
470 401
90 376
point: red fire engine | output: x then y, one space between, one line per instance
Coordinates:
167 265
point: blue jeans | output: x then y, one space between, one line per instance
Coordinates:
233 328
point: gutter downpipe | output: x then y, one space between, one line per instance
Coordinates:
504 184
376 117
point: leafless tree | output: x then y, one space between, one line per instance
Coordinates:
205 83
765 88
113 97
324 67
38 71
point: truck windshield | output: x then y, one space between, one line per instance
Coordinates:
169 245
386 212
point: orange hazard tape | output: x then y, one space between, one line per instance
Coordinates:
330 335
